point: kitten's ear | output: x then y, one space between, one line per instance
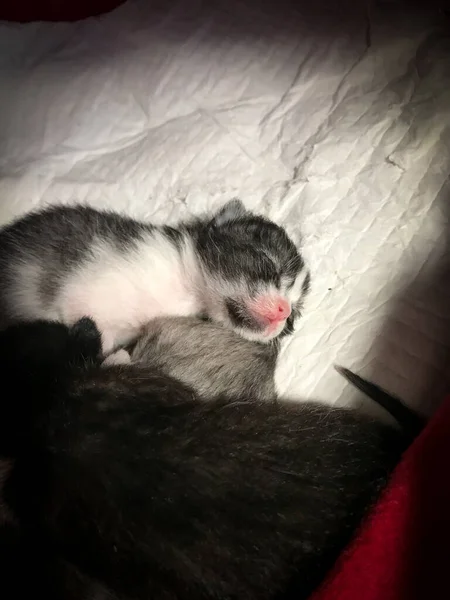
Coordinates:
85 341
231 211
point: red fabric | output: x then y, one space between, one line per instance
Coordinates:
402 551
54 10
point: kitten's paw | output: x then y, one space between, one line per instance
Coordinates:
121 357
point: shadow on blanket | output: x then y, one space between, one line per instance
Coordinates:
419 326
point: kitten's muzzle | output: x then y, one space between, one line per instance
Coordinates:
270 310
265 315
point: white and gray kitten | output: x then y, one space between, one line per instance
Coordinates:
236 268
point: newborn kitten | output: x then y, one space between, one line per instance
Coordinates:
210 358
237 268
126 475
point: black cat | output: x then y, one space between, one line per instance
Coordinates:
122 476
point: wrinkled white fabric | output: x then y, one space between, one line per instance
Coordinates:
337 128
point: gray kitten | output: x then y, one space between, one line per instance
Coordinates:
235 267
210 358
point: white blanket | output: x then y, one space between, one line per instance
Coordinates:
338 129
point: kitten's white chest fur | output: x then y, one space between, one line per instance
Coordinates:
122 291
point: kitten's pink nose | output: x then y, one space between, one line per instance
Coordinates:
280 310
272 309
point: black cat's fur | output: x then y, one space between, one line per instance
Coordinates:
123 478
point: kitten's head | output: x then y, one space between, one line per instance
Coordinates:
35 358
35 346
256 279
